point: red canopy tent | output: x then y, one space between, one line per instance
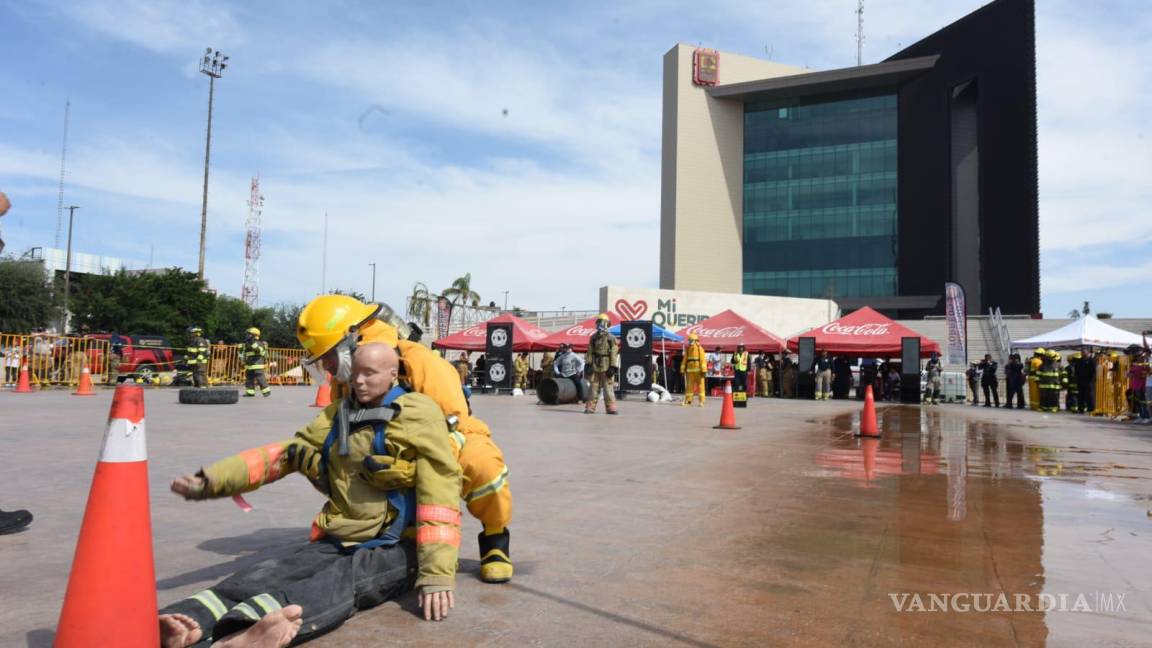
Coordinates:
577 335
524 335
864 333
728 329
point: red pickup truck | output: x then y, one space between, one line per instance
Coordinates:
141 355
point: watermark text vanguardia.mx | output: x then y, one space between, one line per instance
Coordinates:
1107 602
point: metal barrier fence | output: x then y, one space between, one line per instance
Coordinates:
59 360
54 359
282 367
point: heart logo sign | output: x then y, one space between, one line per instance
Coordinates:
633 311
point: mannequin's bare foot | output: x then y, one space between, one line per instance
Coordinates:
178 631
273 631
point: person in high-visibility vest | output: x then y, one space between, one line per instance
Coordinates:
255 353
693 366
740 368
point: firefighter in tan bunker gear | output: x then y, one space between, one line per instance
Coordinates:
331 326
520 371
371 541
601 358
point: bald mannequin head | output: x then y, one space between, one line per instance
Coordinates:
374 371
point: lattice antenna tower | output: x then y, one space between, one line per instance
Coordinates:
251 291
60 194
860 33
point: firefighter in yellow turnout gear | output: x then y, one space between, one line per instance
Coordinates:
601 358
255 352
196 356
330 328
370 541
693 367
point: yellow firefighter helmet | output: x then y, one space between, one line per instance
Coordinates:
254 332
604 317
1040 351
692 337
328 319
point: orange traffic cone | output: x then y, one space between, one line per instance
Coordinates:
868 427
727 412
323 393
111 598
23 384
85 388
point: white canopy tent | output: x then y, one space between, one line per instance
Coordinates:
1086 331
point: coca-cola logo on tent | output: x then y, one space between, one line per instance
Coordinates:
726 332
580 331
870 328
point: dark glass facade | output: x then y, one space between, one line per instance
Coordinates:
820 196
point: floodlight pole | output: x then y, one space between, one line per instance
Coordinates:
212 65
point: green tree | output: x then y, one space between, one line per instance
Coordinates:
460 292
420 304
277 324
230 319
27 298
354 294
142 303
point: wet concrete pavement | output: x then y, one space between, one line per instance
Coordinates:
653 529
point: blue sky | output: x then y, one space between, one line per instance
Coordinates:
391 118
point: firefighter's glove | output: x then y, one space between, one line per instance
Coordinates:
388 473
305 460
191 487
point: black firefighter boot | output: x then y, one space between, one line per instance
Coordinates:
13 521
495 563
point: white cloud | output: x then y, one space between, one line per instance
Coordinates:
161 25
1090 277
567 198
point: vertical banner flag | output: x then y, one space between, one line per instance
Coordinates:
957 315
443 317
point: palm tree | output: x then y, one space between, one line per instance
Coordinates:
460 292
420 303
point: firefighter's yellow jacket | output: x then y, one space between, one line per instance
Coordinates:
357 511
695 360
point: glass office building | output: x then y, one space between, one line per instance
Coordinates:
820 196
872 185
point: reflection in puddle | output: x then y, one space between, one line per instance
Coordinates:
954 506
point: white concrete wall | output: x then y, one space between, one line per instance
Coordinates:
675 309
701 197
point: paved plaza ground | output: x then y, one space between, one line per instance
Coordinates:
653 529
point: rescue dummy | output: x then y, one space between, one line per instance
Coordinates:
331 327
601 357
693 367
370 541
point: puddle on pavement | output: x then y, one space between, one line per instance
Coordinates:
941 504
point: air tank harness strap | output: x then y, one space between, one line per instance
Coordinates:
404 501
